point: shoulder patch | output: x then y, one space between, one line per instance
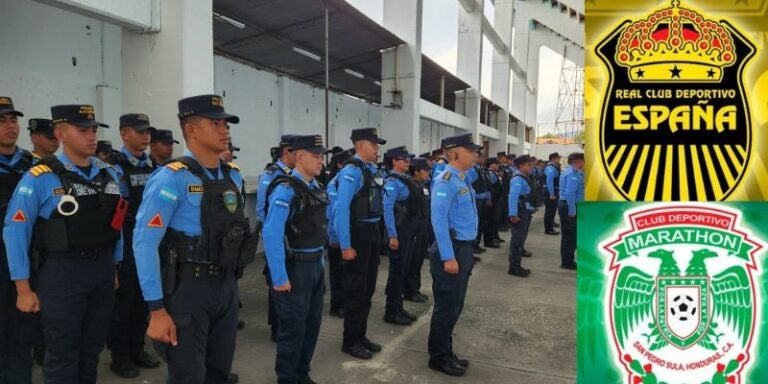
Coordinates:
282 203
446 176
19 217
233 166
176 166
102 164
39 170
463 191
156 221
60 191
195 189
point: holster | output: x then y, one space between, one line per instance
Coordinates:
169 268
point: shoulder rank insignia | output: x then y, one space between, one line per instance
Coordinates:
176 166
102 164
39 169
233 166
446 176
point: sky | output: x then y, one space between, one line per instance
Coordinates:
439 37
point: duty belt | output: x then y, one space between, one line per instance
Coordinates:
200 270
302 257
80 254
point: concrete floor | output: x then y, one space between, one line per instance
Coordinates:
512 330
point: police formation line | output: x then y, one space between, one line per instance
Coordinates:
103 246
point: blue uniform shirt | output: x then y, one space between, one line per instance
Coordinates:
453 208
574 190
493 177
349 183
167 203
331 189
139 162
394 190
34 197
564 181
551 171
265 179
518 187
15 159
274 229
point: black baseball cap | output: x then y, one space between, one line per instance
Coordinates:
163 135
419 163
311 143
554 155
575 156
342 156
137 121
6 107
501 154
370 134
103 146
41 126
436 152
210 106
285 141
398 152
464 141
81 115
491 160
522 160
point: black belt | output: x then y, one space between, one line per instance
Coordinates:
463 242
81 254
200 270
302 257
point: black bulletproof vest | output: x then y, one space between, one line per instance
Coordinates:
307 227
367 203
481 184
222 220
91 226
136 179
415 205
530 197
496 188
557 177
9 180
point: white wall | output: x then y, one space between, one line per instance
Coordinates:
38 44
270 105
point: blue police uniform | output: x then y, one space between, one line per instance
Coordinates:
296 211
73 257
552 175
357 212
424 237
573 192
496 213
17 329
437 168
477 177
191 226
335 280
520 205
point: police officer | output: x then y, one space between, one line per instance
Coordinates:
44 142
17 328
479 180
441 161
454 221
573 193
283 165
521 205
495 215
552 174
357 212
71 205
295 210
129 319
335 277
404 209
193 211
412 292
161 146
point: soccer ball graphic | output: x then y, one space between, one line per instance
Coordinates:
683 307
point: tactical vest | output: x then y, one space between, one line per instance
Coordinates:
496 188
367 203
226 238
91 226
307 227
9 180
481 184
414 206
530 198
136 179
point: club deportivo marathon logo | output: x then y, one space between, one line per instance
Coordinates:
683 307
675 123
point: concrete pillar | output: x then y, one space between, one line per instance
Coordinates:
109 104
504 11
526 52
469 64
401 75
159 69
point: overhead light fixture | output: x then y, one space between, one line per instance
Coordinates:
306 53
228 20
353 73
377 82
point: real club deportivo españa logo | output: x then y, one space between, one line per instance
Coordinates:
675 123
683 307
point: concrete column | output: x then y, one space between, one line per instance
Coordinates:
469 64
159 69
504 11
401 75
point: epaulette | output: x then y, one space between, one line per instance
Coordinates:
38 170
102 164
234 166
176 166
446 176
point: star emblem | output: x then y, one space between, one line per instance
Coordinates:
640 73
675 72
711 73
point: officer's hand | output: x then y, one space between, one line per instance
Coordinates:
28 302
394 244
552 197
514 219
451 267
283 288
348 254
161 328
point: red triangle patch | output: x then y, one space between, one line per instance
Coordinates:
19 216
156 222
